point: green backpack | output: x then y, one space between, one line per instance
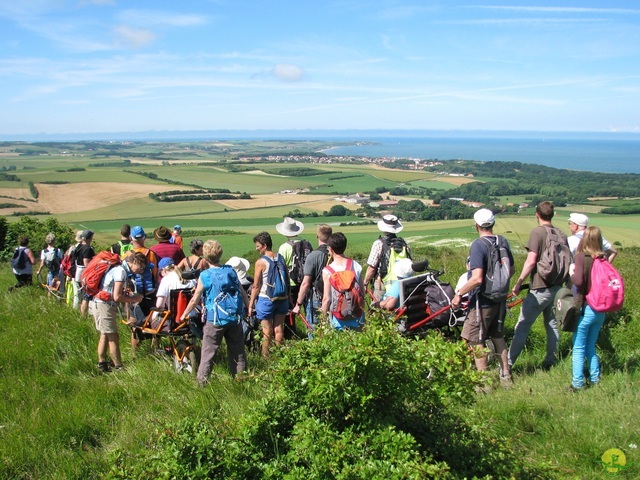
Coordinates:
567 313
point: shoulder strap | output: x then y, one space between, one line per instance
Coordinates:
188 263
349 265
195 265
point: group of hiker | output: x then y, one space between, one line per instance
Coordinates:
326 284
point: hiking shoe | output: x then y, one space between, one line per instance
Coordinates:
546 366
575 389
104 367
118 367
506 381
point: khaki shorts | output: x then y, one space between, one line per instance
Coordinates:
477 328
105 316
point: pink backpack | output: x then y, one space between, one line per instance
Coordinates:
606 292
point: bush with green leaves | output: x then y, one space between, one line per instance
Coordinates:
358 405
36 230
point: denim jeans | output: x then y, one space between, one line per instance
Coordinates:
536 302
584 346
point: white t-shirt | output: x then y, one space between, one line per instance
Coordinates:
115 274
169 282
574 241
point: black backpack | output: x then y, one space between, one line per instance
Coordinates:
495 285
388 243
301 249
318 283
19 259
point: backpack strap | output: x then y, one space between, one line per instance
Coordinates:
188 263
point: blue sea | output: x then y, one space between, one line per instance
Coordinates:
611 153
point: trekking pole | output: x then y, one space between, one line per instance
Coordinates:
304 319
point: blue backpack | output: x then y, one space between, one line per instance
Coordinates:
223 300
277 278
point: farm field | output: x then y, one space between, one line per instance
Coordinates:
98 189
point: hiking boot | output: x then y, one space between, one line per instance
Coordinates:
546 366
104 367
506 381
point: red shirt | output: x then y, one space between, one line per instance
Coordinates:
171 250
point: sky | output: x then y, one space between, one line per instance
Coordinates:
82 66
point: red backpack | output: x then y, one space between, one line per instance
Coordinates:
92 275
346 295
606 290
68 263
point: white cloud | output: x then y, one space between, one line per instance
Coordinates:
147 18
288 73
133 37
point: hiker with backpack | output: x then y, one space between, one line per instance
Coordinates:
492 266
547 262
122 246
591 289
343 296
270 292
22 264
225 302
83 255
146 282
51 258
192 265
385 252
312 286
294 252
113 288
68 269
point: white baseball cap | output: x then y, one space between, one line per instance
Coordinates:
484 218
579 219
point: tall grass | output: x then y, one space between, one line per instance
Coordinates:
60 418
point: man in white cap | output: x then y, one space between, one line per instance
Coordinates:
385 252
578 223
485 318
294 252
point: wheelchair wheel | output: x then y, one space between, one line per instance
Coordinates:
186 357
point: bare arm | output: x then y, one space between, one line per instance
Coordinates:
369 275
612 253
195 299
527 268
326 296
305 286
477 274
257 285
119 295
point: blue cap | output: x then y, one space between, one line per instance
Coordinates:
138 232
165 262
177 227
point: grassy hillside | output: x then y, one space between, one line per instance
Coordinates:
61 419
